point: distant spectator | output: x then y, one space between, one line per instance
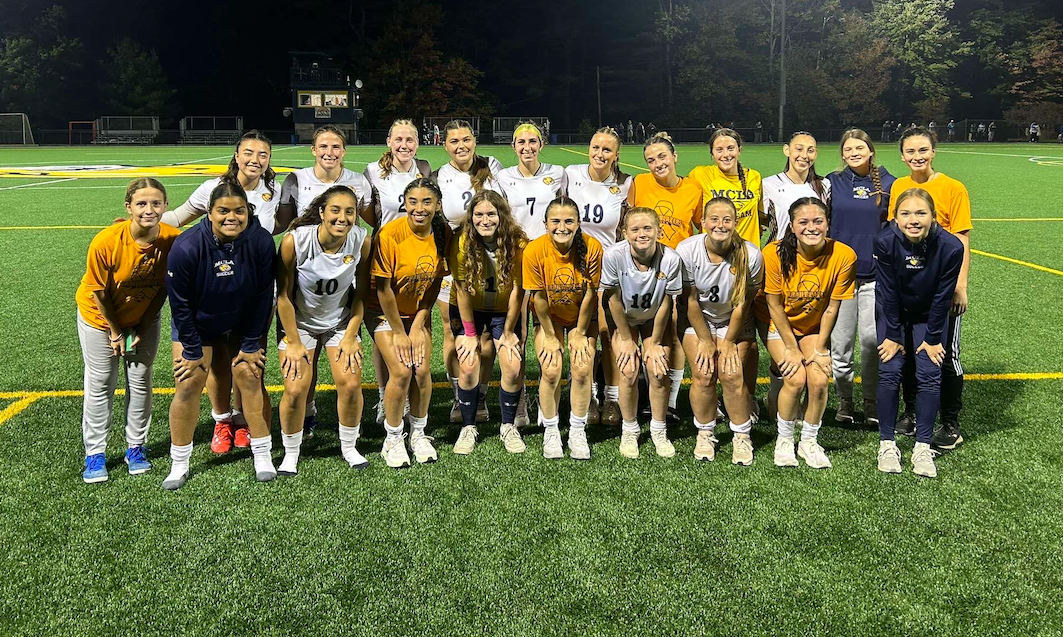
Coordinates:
640 133
932 126
992 130
1035 132
970 133
630 132
758 133
981 131
651 129
952 130
886 127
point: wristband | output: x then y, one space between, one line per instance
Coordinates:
818 353
470 328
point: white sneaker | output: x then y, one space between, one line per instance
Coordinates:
356 460
662 444
455 413
705 448
889 457
482 414
552 449
784 452
578 448
741 450
511 439
264 470
394 451
289 465
421 446
380 414
813 454
466 440
923 461
629 444
521 419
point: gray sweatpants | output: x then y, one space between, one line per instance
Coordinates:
101 378
859 310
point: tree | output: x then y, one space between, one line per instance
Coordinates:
926 49
136 83
40 69
1036 66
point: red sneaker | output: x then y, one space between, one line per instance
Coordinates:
222 441
241 436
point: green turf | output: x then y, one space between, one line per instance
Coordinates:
498 544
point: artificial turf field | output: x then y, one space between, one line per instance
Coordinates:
494 544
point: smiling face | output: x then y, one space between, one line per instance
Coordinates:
229 217
810 226
252 158
725 152
562 222
661 160
485 220
421 205
918 153
642 231
403 143
527 146
461 146
146 207
339 215
719 221
856 154
329 151
914 218
802 152
604 152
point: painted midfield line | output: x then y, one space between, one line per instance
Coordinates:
1017 262
25 399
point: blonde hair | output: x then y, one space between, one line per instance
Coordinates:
387 160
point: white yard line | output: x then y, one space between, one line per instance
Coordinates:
39 183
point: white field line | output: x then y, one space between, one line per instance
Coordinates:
39 183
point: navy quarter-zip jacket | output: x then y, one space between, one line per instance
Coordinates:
855 219
216 288
914 283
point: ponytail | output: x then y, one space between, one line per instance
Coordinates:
579 253
739 260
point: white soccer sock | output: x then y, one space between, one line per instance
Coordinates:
743 428
454 385
261 448
291 443
656 426
238 418
705 426
676 376
612 393
393 431
577 422
809 431
179 455
550 423
348 440
786 427
417 425
222 416
630 427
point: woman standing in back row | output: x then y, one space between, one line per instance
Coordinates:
860 199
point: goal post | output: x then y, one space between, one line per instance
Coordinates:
81 132
15 129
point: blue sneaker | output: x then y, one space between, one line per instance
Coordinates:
309 424
136 458
95 469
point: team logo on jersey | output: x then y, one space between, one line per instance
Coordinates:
808 293
733 271
266 196
861 192
661 276
563 289
424 272
915 262
548 180
614 190
419 176
224 268
348 259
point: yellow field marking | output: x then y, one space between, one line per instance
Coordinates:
276 389
16 407
584 154
980 219
1018 262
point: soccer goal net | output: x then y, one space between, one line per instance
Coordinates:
15 129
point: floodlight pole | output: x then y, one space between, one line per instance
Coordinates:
598 87
782 66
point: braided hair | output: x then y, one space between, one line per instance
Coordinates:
733 134
876 178
440 229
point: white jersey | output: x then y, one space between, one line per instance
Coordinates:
780 193
529 196
456 187
302 186
388 191
601 203
641 290
713 282
264 201
325 282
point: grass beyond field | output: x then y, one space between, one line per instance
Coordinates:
494 544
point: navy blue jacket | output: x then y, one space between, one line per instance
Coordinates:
216 288
914 283
854 217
